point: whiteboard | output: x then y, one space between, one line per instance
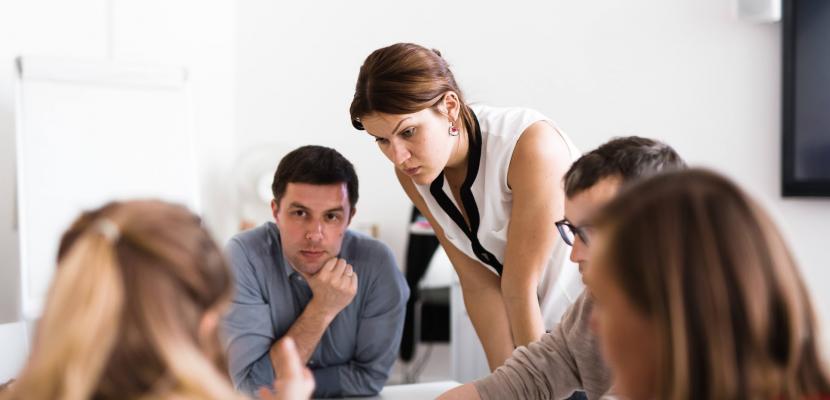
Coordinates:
89 132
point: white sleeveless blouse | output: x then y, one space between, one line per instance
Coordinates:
488 201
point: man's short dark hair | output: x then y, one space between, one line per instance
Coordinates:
628 158
316 165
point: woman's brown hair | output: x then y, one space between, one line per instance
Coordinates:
125 313
709 267
404 78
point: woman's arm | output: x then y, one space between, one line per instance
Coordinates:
539 162
479 286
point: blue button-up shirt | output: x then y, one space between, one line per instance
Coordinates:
357 350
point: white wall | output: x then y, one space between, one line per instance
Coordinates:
196 34
687 72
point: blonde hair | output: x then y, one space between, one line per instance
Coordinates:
124 314
708 266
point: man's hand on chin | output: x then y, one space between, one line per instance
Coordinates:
334 287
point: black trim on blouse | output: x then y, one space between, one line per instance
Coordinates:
436 188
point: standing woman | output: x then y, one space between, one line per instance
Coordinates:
489 181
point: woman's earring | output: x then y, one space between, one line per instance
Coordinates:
453 131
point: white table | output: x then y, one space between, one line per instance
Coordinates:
417 391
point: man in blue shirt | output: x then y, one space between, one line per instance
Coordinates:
338 294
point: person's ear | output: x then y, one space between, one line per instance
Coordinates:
208 326
352 212
275 210
452 106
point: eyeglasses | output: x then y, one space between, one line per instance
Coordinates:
569 232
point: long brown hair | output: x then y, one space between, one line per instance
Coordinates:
704 262
125 310
404 78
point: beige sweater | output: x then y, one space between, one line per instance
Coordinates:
563 361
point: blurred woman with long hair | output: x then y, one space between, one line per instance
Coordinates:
698 297
133 312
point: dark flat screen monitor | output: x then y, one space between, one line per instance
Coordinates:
806 102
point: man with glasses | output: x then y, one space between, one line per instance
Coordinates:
567 359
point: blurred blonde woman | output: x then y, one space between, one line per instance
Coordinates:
133 313
698 297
